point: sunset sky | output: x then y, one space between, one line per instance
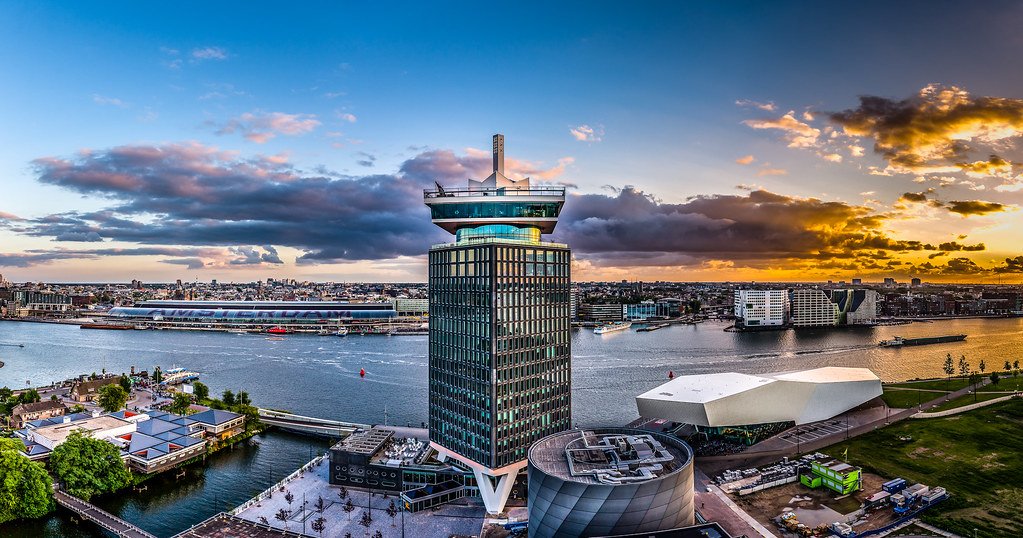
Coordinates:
714 141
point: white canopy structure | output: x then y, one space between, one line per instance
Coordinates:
734 399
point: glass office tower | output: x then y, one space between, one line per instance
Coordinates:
499 352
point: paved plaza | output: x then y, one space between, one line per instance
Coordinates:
465 519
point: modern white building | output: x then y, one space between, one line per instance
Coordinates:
812 308
761 308
734 399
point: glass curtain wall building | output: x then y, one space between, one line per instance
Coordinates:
499 352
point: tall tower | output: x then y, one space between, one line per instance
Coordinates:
500 356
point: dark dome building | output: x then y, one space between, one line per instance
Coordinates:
608 482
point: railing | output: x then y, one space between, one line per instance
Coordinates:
500 238
491 191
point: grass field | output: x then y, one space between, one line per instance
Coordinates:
976 456
897 394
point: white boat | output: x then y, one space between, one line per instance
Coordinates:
341 331
175 376
612 327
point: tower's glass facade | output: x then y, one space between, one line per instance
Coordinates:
500 356
500 301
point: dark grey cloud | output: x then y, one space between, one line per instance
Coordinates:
171 196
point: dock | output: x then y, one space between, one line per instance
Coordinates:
100 517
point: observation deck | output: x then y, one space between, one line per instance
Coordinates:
496 206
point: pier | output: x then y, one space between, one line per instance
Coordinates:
313 425
100 517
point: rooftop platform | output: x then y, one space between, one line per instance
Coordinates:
609 456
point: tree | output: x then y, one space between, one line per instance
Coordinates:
1015 364
974 379
282 516
86 466
125 383
348 508
948 368
994 378
343 493
157 375
243 398
25 490
112 398
180 404
378 534
227 398
262 519
29 396
319 524
77 408
320 505
964 366
982 366
366 520
1006 367
289 497
392 511
201 391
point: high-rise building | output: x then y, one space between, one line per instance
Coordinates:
761 308
499 352
914 282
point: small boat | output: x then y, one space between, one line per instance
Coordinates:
341 331
362 372
278 330
613 327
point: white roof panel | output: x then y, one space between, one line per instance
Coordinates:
705 387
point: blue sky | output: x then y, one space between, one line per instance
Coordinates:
669 91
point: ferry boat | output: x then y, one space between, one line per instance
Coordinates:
900 341
278 330
176 376
612 327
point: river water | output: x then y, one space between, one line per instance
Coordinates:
319 376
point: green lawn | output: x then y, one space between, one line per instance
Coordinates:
949 385
904 399
976 456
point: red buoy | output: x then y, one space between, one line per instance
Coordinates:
671 375
362 372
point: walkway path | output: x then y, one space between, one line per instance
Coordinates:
104 519
962 409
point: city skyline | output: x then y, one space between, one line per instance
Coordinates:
694 145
